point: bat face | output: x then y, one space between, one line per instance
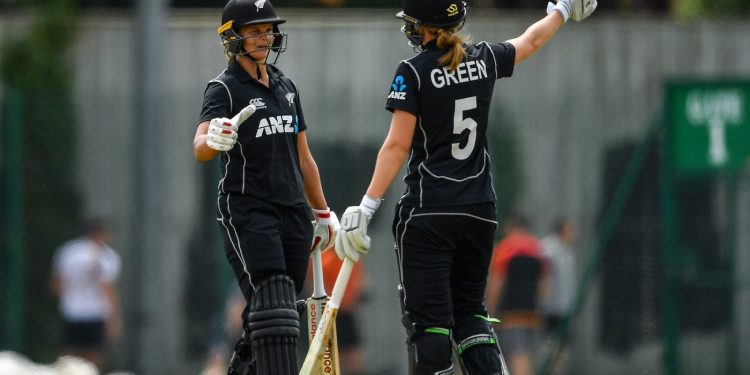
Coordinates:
314 314
315 307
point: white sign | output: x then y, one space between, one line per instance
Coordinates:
715 109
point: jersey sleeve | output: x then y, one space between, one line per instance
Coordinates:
300 120
505 58
216 102
403 90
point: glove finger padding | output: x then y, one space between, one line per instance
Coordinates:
324 234
582 9
218 146
222 134
359 238
344 249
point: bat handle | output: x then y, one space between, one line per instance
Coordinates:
243 115
319 289
340 287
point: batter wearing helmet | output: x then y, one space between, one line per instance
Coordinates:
445 220
268 179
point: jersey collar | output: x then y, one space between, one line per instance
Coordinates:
243 76
432 45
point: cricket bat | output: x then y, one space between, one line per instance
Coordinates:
325 331
315 307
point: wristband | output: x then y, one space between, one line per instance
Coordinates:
321 214
369 205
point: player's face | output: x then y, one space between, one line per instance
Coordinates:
258 40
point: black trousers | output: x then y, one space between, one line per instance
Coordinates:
443 256
261 239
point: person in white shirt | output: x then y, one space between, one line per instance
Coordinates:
83 278
557 250
558 299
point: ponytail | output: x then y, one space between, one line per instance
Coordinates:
449 39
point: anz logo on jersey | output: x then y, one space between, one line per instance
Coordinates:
277 125
398 87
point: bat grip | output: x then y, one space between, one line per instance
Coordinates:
319 289
338 290
243 115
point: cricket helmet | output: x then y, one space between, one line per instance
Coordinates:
435 13
239 13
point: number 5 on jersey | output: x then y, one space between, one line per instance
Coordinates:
460 124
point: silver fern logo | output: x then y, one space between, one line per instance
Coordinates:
259 5
290 98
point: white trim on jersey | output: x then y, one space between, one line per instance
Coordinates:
484 165
419 81
226 171
497 73
244 166
400 245
237 248
426 156
492 179
231 102
455 214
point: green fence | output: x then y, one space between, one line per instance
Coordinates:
667 247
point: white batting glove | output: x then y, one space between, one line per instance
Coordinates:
577 10
326 227
353 240
222 134
565 7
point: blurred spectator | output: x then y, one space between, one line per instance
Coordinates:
84 273
351 352
558 253
227 331
515 285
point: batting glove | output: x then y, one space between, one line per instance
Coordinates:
578 10
222 134
353 240
565 7
326 227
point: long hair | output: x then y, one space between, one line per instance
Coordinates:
449 38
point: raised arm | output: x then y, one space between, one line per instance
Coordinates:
538 34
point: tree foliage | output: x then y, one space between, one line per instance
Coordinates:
35 63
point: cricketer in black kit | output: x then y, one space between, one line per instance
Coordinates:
268 179
445 222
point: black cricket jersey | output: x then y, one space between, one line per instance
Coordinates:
449 163
264 162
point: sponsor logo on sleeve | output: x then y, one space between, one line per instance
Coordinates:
290 98
398 89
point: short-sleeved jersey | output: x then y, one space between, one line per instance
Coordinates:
82 265
449 162
264 162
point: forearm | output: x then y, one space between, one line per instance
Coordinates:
313 187
543 30
201 151
536 36
390 159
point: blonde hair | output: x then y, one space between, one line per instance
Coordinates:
450 39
